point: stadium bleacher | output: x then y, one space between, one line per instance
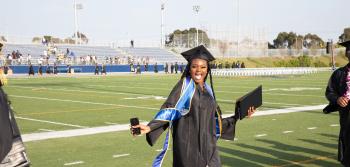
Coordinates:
102 53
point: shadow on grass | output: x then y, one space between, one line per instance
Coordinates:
335 137
329 145
247 158
279 154
314 158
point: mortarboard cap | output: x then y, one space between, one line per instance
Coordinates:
199 52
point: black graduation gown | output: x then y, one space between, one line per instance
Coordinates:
5 127
336 88
194 139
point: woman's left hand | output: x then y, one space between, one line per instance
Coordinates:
251 111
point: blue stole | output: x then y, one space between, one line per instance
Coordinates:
181 108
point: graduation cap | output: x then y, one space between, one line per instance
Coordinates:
199 52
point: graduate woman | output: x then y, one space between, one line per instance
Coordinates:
193 118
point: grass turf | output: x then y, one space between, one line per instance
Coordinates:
91 102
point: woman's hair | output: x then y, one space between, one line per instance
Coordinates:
187 73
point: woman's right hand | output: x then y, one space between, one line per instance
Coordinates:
143 128
342 101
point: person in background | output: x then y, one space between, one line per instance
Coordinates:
242 65
97 69
338 95
55 69
176 67
155 68
181 68
31 70
166 68
172 68
103 69
40 70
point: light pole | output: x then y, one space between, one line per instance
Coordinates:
161 23
196 9
238 29
76 7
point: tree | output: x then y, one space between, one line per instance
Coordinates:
293 41
82 37
285 40
36 40
187 37
3 39
312 41
47 38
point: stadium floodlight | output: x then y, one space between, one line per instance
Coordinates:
196 9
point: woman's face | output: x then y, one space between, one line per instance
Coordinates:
199 70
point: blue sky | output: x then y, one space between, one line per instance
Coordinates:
133 19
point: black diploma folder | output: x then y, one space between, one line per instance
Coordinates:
252 99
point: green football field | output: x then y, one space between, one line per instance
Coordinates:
42 104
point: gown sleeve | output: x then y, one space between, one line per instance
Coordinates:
332 87
157 126
228 128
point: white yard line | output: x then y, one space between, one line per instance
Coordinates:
334 125
287 131
51 122
312 128
285 110
74 132
260 135
46 130
75 90
120 155
114 128
73 163
84 102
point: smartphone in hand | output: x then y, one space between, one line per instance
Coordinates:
134 122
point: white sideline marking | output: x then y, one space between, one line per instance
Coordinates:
312 128
287 131
120 155
273 94
260 135
76 90
293 89
265 102
73 163
47 130
110 123
132 87
84 102
146 97
334 125
75 132
114 128
285 110
51 122
159 150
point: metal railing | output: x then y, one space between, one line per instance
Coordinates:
267 71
